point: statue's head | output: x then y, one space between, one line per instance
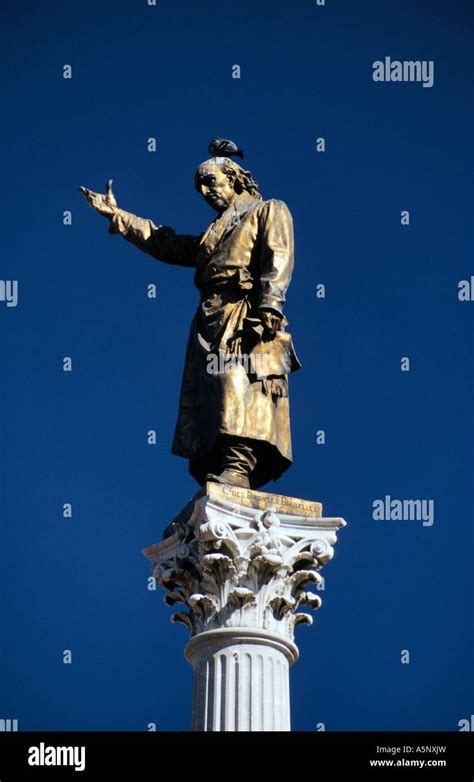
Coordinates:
220 181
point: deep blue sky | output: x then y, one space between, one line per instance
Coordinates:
165 71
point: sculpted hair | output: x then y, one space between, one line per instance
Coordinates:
243 180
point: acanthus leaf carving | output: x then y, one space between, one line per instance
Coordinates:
239 567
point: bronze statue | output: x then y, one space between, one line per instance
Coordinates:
234 421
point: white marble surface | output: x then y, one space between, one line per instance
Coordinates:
242 574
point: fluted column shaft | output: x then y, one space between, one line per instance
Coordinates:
240 681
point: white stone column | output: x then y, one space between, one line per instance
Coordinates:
240 680
241 562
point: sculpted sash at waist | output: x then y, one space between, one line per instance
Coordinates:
212 300
217 278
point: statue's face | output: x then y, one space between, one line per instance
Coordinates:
216 188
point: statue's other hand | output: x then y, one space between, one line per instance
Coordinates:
271 321
100 203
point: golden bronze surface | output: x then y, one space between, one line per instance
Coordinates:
234 417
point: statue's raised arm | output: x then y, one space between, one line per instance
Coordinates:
159 241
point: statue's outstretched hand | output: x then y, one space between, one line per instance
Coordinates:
103 204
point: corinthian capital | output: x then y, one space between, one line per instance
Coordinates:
238 558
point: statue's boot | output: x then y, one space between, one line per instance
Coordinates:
238 461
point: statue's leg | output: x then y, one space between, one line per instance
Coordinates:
238 462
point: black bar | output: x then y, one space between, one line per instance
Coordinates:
117 755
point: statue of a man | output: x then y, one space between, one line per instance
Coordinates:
234 422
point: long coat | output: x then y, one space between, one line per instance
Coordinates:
233 383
